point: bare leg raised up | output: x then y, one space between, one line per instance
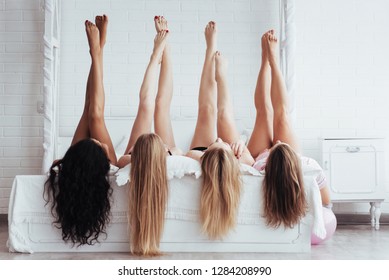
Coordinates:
226 128
144 117
205 132
281 125
262 136
92 122
162 121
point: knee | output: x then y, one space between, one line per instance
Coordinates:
265 111
207 111
224 115
95 114
162 103
281 117
281 112
147 105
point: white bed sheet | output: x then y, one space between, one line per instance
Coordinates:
31 229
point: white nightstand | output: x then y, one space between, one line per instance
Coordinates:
355 171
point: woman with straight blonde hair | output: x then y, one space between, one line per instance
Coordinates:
147 151
220 192
274 145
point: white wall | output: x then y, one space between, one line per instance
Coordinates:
342 84
342 68
21 59
131 31
130 41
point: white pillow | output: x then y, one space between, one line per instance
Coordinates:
122 176
179 166
112 170
246 169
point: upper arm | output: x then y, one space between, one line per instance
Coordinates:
123 161
246 157
195 154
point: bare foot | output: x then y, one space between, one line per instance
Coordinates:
220 66
102 23
92 33
265 51
160 23
159 44
272 47
211 36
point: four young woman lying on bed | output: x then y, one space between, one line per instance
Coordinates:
78 187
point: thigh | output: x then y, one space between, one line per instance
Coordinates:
262 136
226 130
82 130
283 132
166 134
163 125
204 135
99 131
142 125
205 131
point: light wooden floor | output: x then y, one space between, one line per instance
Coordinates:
348 243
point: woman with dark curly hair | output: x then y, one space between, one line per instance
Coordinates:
78 186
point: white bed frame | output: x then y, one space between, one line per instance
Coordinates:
31 228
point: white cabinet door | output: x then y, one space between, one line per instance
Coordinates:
353 169
355 172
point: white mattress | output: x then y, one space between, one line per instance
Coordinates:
31 229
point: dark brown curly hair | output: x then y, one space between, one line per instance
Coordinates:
79 193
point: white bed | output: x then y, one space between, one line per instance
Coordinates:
31 226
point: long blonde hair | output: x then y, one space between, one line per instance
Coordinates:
220 192
283 188
148 194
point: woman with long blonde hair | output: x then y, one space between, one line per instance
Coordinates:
147 151
274 145
220 192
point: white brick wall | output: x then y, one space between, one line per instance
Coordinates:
130 36
21 30
342 73
342 66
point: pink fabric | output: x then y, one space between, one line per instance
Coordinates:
321 177
260 161
260 164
